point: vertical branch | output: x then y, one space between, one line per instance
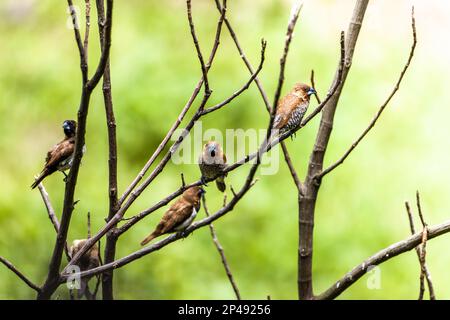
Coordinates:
422 251
221 252
87 29
307 201
413 231
53 276
111 240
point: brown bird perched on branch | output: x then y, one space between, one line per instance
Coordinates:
292 107
180 215
212 162
60 157
89 260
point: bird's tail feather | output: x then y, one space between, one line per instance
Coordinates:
148 239
40 178
220 183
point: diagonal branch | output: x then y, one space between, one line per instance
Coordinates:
386 254
158 169
11 267
261 90
383 106
181 116
49 207
51 214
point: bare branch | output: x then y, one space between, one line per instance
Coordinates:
222 253
197 47
422 251
52 280
48 205
11 267
51 214
246 85
313 84
181 116
81 50
413 231
172 238
295 11
291 167
386 254
383 106
87 29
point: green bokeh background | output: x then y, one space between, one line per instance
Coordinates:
360 209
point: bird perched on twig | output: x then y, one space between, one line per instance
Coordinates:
60 157
180 215
212 162
292 107
89 260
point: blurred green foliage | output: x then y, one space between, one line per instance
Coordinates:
154 70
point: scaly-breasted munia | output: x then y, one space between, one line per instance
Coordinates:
292 107
212 162
89 260
60 157
180 215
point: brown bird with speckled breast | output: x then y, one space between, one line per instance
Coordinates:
292 107
60 157
212 162
180 215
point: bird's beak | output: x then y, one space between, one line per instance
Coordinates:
311 91
66 126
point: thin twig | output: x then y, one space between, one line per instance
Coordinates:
413 231
197 47
291 167
383 106
422 252
11 267
87 29
244 87
222 253
313 84
181 116
51 214
260 88
48 205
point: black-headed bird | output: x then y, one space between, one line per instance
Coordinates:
60 157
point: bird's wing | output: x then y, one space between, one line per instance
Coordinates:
177 214
285 108
224 158
60 152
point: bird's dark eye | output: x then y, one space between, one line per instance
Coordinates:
213 153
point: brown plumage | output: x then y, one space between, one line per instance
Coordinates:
292 107
89 260
180 215
61 155
212 162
